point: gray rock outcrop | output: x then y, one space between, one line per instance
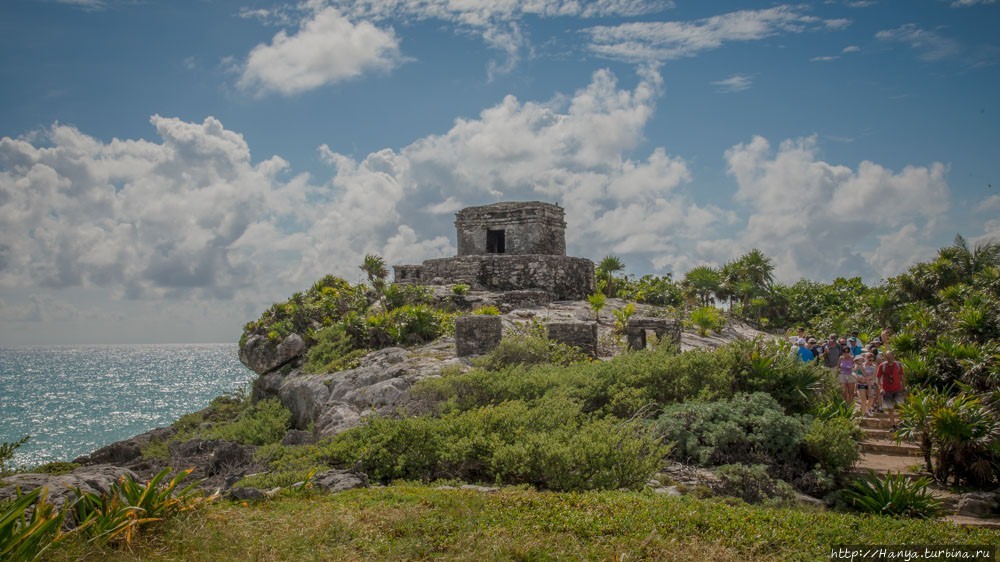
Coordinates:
262 355
90 479
334 402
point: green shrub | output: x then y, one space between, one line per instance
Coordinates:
529 350
751 483
833 443
56 468
399 295
622 316
265 422
748 429
765 366
622 386
705 319
334 351
325 303
548 444
460 289
893 495
488 310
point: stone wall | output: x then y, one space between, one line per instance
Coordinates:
564 277
578 334
476 335
664 329
529 228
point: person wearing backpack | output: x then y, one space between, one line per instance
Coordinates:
890 373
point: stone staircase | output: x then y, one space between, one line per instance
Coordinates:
882 453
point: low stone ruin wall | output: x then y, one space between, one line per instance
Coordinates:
566 278
664 329
578 334
476 335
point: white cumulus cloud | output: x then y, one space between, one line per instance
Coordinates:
327 48
814 217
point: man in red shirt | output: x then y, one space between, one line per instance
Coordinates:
890 373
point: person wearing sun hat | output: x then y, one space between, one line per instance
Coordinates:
855 345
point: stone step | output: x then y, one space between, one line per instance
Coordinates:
884 463
879 422
889 435
890 447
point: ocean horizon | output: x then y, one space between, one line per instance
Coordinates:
73 399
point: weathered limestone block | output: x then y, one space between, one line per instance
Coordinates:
578 334
664 328
527 298
476 335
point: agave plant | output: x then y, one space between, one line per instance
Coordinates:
29 525
893 495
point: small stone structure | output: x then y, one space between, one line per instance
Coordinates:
478 334
508 247
511 228
578 334
637 328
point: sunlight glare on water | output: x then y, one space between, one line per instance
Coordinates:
74 399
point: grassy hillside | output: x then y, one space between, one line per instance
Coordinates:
414 522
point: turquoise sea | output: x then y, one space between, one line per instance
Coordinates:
74 399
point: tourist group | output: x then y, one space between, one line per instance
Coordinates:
868 374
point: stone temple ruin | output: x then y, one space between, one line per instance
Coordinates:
511 246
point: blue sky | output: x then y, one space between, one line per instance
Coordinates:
169 169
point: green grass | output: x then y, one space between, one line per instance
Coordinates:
411 522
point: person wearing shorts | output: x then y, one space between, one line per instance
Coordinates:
845 376
890 373
864 372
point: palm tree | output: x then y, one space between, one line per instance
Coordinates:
374 268
757 268
606 270
970 261
703 282
597 302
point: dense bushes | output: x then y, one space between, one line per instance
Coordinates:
748 429
529 349
833 443
325 303
621 387
754 429
549 444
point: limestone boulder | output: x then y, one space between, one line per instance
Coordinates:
340 480
262 355
89 479
334 402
